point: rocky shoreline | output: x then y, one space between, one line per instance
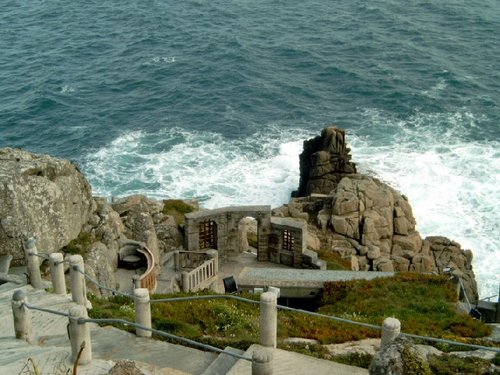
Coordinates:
367 222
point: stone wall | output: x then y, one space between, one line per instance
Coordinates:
296 230
227 220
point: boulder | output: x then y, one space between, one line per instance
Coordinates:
41 197
401 357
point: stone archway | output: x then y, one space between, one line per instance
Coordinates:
248 235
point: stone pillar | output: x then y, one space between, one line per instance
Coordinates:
185 281
268 319
262 361
390 330
33 263
142 311
79 334
22 316
57 273
78 287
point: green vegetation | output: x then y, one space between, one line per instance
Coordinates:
425 304
333 260
177 208
79 245
448 364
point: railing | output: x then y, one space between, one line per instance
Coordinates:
150 277
261 360
206 268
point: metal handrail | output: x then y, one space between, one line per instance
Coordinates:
165 334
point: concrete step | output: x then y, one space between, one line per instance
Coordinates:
223 363
110 343
291 363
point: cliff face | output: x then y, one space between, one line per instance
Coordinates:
365 220
40 196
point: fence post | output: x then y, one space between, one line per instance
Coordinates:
78 287
22 316
185 281
79 334
33 264
57 273
262 361
390 330
142 311
268 319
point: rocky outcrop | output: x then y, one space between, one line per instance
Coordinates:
367 222
42 197
398 358
324 161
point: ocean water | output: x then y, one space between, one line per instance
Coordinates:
212 100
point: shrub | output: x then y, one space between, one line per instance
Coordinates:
177 208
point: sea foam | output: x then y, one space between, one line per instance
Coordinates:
452 185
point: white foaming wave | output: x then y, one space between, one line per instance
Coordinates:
68 89
217 171
157 60
452 187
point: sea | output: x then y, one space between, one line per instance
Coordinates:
213 99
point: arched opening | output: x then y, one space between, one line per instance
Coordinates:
208 234
248 235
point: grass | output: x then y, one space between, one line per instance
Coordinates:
79 245
333 260
425 305
177 208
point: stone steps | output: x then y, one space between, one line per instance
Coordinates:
223 363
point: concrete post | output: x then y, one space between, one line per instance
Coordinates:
79 334
22 316
390 330
177 261
57 273
142 311
78 287
262 361
33 263
136 281
214 254
185 281
268 319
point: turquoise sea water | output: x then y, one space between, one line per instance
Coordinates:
212 100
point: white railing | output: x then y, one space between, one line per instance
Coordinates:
201 277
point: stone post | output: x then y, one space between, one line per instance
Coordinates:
268 319
33 263
22 316
142 311
262 361
390 330
185 281
79 334
57 273
78 287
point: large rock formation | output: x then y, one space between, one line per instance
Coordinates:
323 162
41 197
366 221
